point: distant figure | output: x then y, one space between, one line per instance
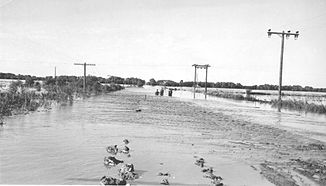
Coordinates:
162 92
157 92
170 92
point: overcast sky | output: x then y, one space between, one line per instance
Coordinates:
163 38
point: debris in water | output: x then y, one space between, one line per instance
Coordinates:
126 172
213 177
125 150
208 170
106 180
253 167
112 149
111 161
200 162
163 174
165 182
138 110
216 180
126 141
218 184
128 167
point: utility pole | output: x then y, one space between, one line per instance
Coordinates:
195 83
55 72
206 82
195 80
84 64
287 35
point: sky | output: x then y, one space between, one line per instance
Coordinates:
162 39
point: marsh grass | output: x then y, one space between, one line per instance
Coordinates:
231 95
299 105
20 99
291 104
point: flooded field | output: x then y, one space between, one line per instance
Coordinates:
268 95
309 124
67 144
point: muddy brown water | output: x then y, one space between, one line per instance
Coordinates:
67 144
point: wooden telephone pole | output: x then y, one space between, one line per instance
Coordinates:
195 83
287 35
84 64
55 72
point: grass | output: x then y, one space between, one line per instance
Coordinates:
20 99
300 105
230 95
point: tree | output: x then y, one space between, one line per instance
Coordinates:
152 82
49 81
181 83
140 83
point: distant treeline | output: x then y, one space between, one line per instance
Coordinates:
234 85
61 79
153 82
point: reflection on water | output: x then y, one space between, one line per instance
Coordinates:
279 119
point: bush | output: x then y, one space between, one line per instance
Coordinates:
37 85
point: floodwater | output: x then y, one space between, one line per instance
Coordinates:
67 144
310 97
308 124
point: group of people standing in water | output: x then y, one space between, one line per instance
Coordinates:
161 92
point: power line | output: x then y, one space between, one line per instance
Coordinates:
196 76
287 35
84 64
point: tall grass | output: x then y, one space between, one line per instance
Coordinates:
230 95
300 105
20 99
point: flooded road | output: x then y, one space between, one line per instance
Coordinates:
67 144
308 124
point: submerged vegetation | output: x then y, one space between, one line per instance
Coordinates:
29 96
300 105
230 95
